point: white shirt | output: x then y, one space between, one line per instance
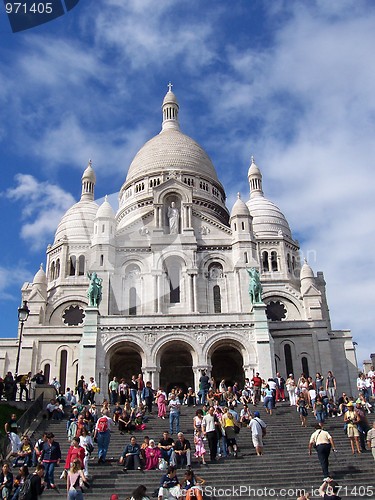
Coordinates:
208 423
256 424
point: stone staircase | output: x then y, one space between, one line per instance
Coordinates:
284 468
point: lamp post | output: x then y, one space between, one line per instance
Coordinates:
23 314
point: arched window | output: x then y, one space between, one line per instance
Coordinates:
274 265
72 266
57 273
288 359
81 265
63 365
52 271
305 366
174 284
101 259
293 263
47 372
288 263
217 299
265 263
132 301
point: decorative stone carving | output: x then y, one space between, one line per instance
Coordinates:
201 337
104 338
150 338
144 231
204 230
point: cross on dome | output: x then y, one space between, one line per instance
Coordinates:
170 87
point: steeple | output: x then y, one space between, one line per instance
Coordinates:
170 109
88 183
255 180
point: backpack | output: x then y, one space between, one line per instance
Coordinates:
25 489
102 424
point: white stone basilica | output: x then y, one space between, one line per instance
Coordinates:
175 299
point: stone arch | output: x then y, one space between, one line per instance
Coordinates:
124 359
175 361
227 358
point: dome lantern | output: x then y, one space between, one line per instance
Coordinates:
255 179
88 183
170 109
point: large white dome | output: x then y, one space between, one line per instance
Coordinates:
171 150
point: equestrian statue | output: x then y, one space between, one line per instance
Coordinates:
94 293
255 286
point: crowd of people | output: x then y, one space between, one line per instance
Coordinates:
221 411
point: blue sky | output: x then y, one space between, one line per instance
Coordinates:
291 83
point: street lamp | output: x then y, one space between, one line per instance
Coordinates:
23 314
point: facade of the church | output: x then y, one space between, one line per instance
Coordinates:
174 264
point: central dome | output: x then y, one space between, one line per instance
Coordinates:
171 150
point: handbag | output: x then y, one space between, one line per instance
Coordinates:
89 448
163 464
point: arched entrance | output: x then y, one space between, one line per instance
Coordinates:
227 363
125 362
176 366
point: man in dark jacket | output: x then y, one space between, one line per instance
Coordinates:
131 455
36 483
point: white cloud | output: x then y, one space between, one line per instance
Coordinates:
12 277
42 206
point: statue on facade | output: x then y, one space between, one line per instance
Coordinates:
255 286
173 218
94 293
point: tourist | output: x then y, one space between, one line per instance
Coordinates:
161 398
331 386
166 446
36 483
204 385
123 391
12 425
6 482
126 420
140 493
91 389
229 426
257 388
38 449
268 401
80 389
50 457
210 423
258 431
75 480
24 455
131 456
103 435
302 409
371 439
19 481
192 486
117 411
351 419
148 396
245 416
174 414
230 398
140 386
328 489
182 451
75 452
291 388
133 391
152 456
190 398
85 440
322 441
280 387
319 410
169 485
113 390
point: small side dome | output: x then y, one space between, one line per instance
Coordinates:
40 277
77 224
239 208
306 271
105 211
